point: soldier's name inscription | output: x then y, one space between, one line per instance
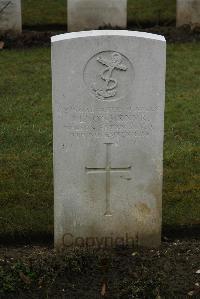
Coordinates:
109 121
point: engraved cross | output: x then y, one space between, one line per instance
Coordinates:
107 170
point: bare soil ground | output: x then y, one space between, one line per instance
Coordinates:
172 271
42 38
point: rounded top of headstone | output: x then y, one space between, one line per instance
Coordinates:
95 33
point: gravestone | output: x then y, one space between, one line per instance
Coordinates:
108 116
92 14
10 16
188 13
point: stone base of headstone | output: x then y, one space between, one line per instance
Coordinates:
93 14
188 13
10 17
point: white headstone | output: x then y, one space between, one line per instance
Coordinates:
92 14
188 12
108 110
10 16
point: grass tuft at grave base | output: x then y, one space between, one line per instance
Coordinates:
26 178
39 272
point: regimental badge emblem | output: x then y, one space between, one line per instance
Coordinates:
108 76
109 83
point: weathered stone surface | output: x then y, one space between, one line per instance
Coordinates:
108 110
92 14
188 12
10 16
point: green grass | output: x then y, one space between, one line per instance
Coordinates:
45 12
26 142
26 192
182 127
51 12
151 11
